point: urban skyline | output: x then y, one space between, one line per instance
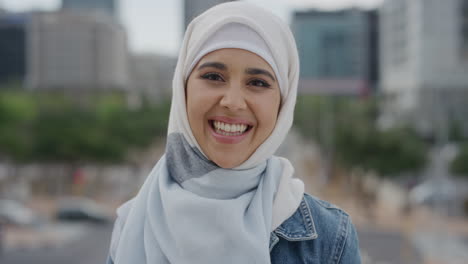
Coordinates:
156 26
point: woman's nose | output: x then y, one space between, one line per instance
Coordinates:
233 98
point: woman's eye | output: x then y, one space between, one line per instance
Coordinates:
259 83
212 77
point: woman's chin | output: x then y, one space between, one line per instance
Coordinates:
227 163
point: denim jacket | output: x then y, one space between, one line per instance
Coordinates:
317 233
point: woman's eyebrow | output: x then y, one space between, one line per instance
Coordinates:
217 65
255 71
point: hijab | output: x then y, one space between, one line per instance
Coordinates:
189 210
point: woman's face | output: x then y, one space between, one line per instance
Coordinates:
233 99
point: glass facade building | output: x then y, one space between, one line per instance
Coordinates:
332 45
106 6
12 47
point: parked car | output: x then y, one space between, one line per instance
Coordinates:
434 191
79 209
14 213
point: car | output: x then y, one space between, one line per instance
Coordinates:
80 209
15 213
435 192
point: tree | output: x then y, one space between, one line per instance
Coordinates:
459 165
386 152
16 114
358 142
52 127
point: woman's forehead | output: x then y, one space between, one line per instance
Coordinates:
229 57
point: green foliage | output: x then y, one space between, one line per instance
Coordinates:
356 139
17 112
59 127
307 115
387 152
75 135
459 165
455 132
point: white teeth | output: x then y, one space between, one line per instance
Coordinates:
229 129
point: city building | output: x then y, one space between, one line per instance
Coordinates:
337 51
12 46
193 8
424 64
151 75
108 7
76 51
373 59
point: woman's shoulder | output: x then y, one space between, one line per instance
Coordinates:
321 231
325 212
313 216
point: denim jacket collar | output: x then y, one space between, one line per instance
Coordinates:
299 227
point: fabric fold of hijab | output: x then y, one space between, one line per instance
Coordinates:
189 210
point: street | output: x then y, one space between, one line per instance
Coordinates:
386 247
92 247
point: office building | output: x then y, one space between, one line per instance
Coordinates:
335 51
108 7
424 63
193 8
151 75
76 51
12 46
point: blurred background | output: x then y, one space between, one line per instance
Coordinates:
381 124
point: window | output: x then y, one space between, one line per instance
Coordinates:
334 53
464 29
399 29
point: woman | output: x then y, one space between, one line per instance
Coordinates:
218 195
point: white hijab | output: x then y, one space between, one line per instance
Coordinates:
191 211
275 33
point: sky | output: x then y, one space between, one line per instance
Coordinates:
156 26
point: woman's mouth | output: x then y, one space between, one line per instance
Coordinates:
229 133
227 129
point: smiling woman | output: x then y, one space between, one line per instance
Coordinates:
219 195
232 104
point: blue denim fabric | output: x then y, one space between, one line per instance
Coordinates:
317 233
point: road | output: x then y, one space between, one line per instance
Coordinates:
91 248
377 246
385 247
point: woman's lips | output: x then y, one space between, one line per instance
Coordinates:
231 120
229 139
